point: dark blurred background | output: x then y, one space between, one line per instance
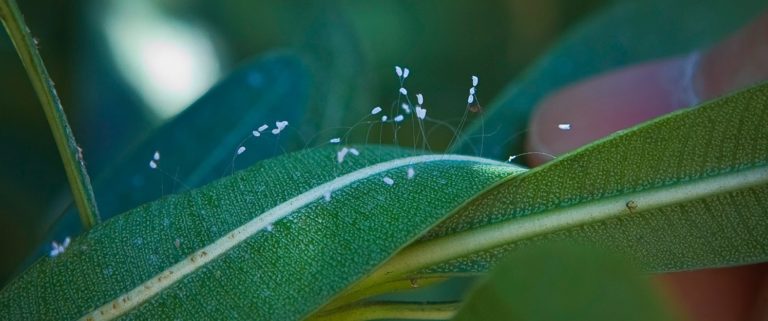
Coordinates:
122 68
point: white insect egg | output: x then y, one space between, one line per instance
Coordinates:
327 196
156 156
406 108
276 131
335 140
475 80
406 72
411 172
256 133
270 227
472 91
152 164
420 99
241 150
511 158
341 154
421 113
403 91
399 71
399 118
384 118
564 126
281 124
389 181
263 127
375 110
66 242
354 151
470 99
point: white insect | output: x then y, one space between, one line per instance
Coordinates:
384 118
256 133
59 248
335 140
375 110
406 72
470 99
421 113
152 164
263 127
327 196
241 150
406 108
403 91
564 126
399 118
420 99
341 154
411 172
399 71
388 181
354 151
156 156
475 80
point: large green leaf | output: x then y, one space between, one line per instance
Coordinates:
262 244
686 191
564 282
626 33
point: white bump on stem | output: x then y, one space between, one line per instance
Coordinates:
421 113
263 127
256 133
335 140
156 156
406 108
341 154
475 80
375 110
470 99
420 99
241 150
411 172
403 91
472 91
406 72
399 71
387 180
152 164
564 126
384 118
327 196
399 118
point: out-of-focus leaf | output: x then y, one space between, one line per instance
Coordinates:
200 144
559 282
628 32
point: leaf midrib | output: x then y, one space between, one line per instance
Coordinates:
154 285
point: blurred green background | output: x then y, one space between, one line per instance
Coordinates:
122 68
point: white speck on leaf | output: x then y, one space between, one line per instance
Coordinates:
335 140
399 118
389 181
354 151
564 126
241 150
375 110
411 172
403 91
156 156
263 127
341 154
152 164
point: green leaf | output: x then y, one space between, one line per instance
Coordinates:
561 282
260 245
623 34
685 191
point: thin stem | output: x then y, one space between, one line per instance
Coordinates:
391 310
71 154
384 288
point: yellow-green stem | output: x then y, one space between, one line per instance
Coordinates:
70 153
391 310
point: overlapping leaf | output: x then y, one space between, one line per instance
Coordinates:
625 33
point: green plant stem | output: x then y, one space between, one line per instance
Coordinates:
384 288
390 310
71 154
